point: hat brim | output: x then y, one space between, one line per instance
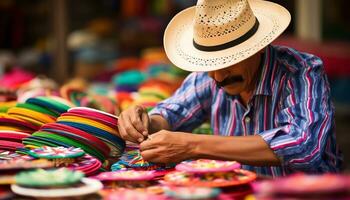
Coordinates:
178 39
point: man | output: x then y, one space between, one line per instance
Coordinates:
269 106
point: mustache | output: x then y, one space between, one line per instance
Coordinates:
229 80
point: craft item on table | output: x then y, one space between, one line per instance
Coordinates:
29 146
92 130
72 139
12 140
6 155
79 135
31 114
118 166
61 100
191 192
69 142
15 78
132 195
19 164
38 109
155 54
86 164
155 90
95 118
7 180
124 99
4 106
126 88
11 155
56 152
72 94
154 69
207 166
160 85
236 192
299 185
33 142
59 155
131 77
217 179
50 103
133 159
11 128
84 120
9 145
36 118
49 178
24 94
54 183
15 136
7 121
103 103
110 118
127 179
115 143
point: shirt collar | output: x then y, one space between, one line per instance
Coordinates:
265 78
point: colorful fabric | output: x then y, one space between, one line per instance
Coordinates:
291 109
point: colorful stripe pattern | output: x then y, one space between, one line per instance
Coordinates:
291 109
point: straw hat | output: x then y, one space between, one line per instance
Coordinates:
216 34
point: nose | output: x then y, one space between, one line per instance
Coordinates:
218 75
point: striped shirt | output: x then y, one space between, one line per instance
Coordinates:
290 109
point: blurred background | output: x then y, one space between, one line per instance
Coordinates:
114 48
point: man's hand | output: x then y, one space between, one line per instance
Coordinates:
167 147
133 124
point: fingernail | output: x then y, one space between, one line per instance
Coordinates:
145 133
140 140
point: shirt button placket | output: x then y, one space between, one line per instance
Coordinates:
247 120
247 125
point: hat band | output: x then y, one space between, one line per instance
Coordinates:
230 44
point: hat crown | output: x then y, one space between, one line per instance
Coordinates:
221 21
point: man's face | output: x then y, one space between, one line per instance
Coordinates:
238 78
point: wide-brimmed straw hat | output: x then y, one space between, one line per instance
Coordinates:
216 34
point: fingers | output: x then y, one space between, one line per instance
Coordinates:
150 155
147 144
125 131
145 122
132 125
137 119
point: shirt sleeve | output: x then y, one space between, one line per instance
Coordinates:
190 104
305 121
